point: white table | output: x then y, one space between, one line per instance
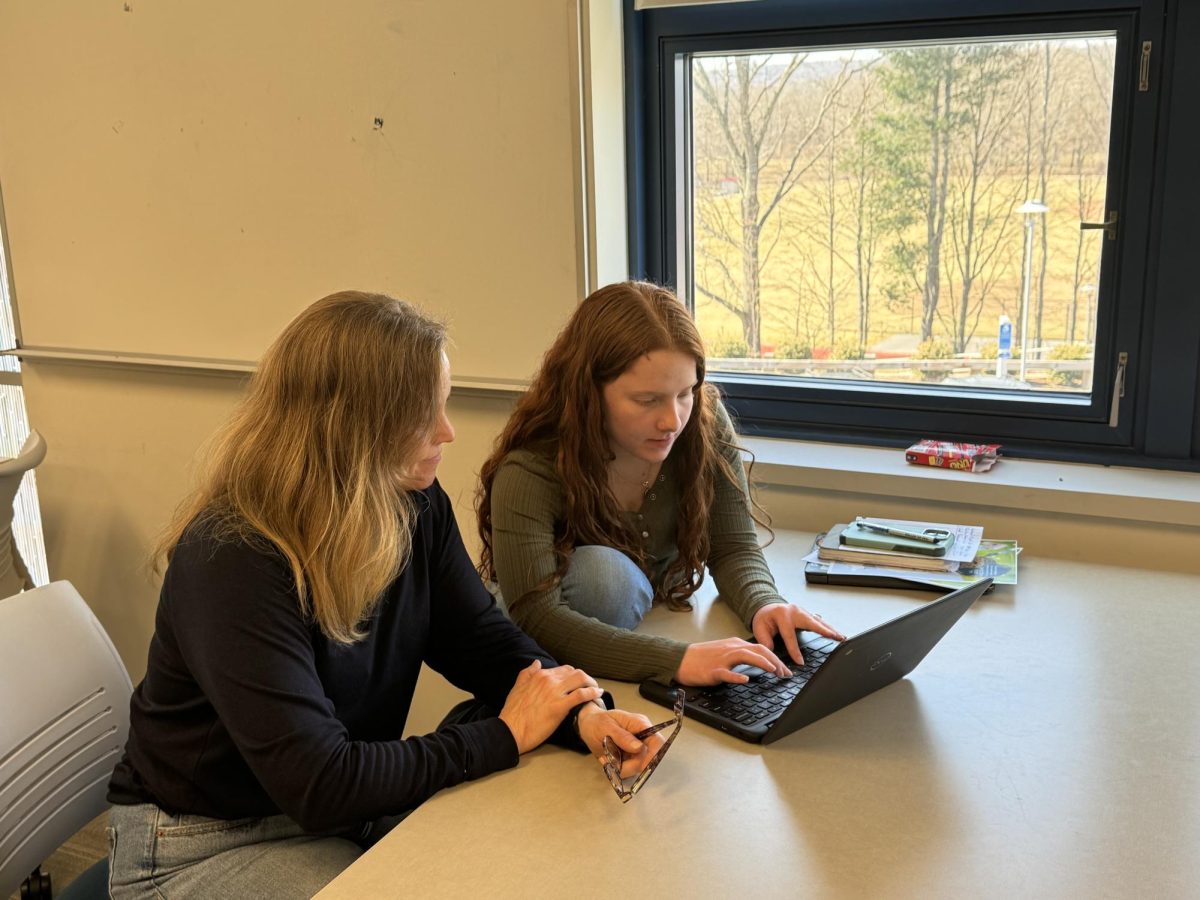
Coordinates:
1048 747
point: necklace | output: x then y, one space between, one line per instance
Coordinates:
643 482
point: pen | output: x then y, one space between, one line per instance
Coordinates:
931 536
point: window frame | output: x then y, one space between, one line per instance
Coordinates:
1045 425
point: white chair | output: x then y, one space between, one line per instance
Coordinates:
13 574
64 715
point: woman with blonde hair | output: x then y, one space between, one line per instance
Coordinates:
315 568
616 482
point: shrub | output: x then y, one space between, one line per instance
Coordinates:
991 350
1068 351
794 349
725 347
934 348
847 348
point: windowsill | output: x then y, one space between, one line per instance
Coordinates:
1108 492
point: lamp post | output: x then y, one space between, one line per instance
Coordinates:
1029 209
1089 293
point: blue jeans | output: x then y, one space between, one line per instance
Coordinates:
600 582
153 854
607 585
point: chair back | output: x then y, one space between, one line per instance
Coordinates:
64 716
13 575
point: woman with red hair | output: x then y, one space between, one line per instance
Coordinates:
616 482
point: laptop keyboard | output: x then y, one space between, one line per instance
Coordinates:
766 694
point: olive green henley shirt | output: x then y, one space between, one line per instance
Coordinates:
528 503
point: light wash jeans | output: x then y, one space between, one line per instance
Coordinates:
600 582
153 854
607 585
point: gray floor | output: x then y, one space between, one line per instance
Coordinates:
77 854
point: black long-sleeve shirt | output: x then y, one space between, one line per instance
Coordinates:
246 709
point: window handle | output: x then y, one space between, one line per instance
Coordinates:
1109 226
1118 390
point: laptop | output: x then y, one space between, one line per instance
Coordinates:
834 674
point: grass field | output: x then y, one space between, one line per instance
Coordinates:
796 276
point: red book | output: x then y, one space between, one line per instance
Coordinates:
953 455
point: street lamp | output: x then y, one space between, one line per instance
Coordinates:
1029 209
1089 294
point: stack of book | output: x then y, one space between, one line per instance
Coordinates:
896 552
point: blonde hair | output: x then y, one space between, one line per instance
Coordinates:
311 461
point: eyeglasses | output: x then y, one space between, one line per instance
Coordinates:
615 757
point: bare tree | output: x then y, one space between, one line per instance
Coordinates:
1051 114
1087 185
770 144
799 310
1089 154
862 179
819 231
983 199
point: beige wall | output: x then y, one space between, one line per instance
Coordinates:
120 449
180 179
122 443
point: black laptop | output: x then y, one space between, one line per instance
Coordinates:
834 674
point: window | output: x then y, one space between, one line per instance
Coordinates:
14 429
926 227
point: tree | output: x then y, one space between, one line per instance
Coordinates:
796 313
1089 122
768 143
982 200
911 141
1050 116
863 180
816 229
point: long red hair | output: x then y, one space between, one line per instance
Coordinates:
563 411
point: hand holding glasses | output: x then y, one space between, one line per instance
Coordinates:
615 757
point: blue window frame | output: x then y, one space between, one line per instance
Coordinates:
1141 405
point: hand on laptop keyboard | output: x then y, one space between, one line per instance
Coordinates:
712 662
807 642
784 621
